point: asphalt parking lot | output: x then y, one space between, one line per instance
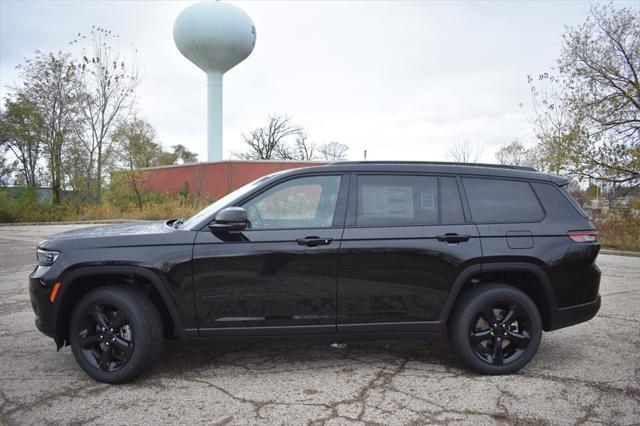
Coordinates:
589 373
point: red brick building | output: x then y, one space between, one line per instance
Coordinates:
215 179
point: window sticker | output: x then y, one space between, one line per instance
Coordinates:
427 201
394 201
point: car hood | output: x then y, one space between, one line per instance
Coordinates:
120 229
119 235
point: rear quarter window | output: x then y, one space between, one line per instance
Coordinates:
573 202
559 204
501 200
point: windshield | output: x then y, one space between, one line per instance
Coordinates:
224 201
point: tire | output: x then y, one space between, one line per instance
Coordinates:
495 329
115 334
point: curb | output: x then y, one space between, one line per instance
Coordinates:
72 222
620 253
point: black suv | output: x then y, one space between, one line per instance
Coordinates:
490 255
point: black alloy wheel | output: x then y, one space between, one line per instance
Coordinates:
500 333
106 337
116 333
495 328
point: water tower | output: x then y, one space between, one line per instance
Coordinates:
216 37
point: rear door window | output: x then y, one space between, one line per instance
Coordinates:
398 200
500 200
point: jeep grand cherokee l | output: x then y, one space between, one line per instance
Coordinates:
489 255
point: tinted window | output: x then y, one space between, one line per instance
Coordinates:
397 200
494 200
450 203
574 203
298 203
558 203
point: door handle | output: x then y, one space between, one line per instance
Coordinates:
453 238
314 241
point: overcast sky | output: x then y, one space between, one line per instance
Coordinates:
403 80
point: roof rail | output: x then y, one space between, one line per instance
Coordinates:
438 163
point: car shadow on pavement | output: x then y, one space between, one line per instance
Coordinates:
187 357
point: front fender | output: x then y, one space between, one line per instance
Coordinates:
71 279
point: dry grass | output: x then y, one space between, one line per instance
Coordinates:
150 211
26 208
620 232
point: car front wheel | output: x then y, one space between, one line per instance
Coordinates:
495 329
115 334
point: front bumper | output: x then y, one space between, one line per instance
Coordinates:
39 292
565 317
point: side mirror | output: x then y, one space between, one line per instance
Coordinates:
229 219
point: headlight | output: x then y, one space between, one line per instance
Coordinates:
47 257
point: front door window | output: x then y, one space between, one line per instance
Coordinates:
308 202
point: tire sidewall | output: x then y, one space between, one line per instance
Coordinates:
467 312
141 336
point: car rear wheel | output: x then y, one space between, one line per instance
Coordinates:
115 334
495 329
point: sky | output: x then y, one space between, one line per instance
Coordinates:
402 80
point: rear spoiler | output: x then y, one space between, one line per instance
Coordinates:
559 180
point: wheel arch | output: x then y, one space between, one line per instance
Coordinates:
80 281
529 278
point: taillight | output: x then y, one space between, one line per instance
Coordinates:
584 236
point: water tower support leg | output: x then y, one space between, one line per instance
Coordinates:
214 117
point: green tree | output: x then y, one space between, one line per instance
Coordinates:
600 62
134 144
559 130
76 166
514 153
48 82
22 133
135 147
183 155
6 170
587 118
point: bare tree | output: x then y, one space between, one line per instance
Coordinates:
272 141
333 151
465 152
305 149
106 89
